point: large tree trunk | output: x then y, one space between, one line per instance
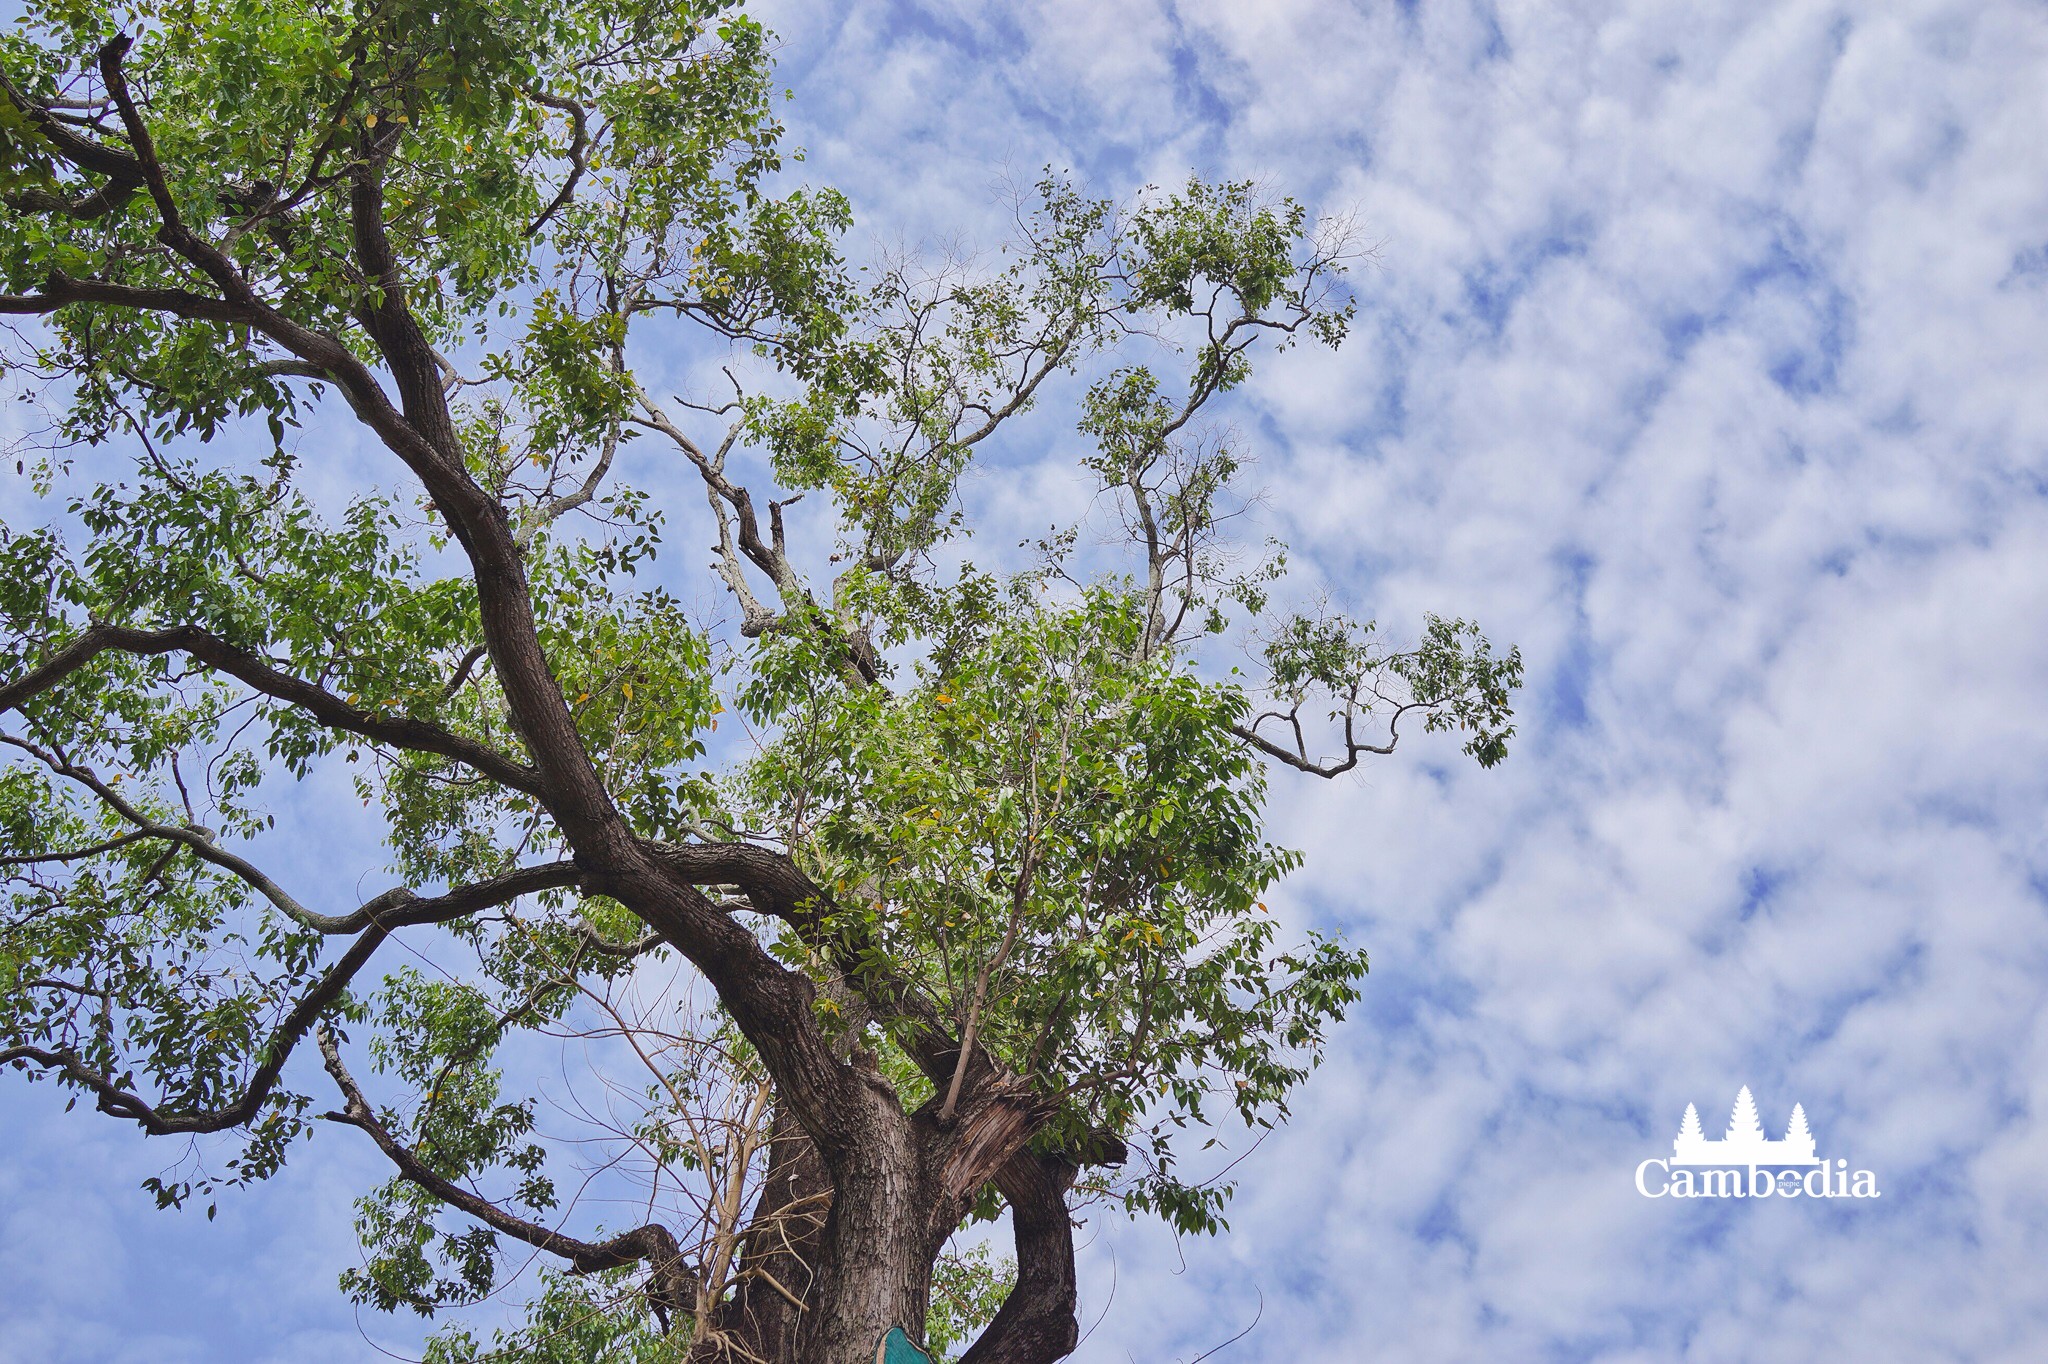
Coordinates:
794 1247
875 1260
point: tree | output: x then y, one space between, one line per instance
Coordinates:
963 916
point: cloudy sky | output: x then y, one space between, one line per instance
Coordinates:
1705 356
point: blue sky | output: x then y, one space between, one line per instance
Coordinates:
1705 356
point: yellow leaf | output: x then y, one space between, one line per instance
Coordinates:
370 122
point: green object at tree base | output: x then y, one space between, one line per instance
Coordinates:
896 1348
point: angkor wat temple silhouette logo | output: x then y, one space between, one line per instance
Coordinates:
1747 1164
1745 1143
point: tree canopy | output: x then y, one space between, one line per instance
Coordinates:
960 913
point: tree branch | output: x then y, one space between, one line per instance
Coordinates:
674 1281
261 675
138 134
396 908
123 1104
117 166
61 290
579 145
1037 1322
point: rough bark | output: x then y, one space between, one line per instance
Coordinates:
875 1263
